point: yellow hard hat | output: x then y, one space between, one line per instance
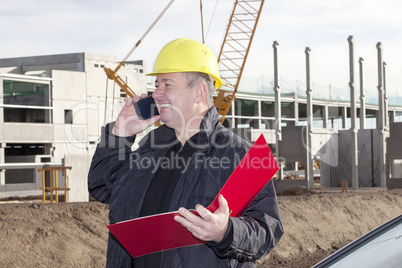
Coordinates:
187 55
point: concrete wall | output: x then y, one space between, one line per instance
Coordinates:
366 148
368 157
68 86
291 147
325 149
77 176
394 156
26 132
269 135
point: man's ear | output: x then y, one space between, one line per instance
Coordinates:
201 91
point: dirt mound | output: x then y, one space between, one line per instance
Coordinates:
75 234
53 235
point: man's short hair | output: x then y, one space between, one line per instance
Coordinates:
195 77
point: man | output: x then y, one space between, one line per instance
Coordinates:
179 166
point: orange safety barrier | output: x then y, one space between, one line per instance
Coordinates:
54 187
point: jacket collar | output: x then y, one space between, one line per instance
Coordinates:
208 124
164 135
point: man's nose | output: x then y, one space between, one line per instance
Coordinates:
157 94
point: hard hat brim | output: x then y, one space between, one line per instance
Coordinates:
218 81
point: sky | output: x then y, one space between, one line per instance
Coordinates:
45 27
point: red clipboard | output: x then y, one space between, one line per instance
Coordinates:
159 232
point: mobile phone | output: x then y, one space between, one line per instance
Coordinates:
146 108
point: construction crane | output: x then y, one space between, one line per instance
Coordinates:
235 48
232 57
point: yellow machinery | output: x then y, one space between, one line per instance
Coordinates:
53 187
232 57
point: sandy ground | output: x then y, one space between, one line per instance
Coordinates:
74 234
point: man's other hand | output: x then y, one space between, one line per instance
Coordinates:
208 226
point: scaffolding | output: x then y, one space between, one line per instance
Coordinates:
53 187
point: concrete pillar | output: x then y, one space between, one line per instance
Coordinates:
392 117
325 116
278 121
385 95
309 168
233 120
381 115
259 113
2 144
353 129
362 97
344 116
48 102
2 161
296 109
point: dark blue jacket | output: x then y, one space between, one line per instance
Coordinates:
120 177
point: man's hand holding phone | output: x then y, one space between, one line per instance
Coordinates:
129 123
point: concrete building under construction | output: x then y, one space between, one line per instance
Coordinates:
53 107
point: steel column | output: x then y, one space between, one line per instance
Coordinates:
385 95
353 129
362 97
278 115
309 165
381 114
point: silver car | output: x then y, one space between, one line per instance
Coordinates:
382 247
